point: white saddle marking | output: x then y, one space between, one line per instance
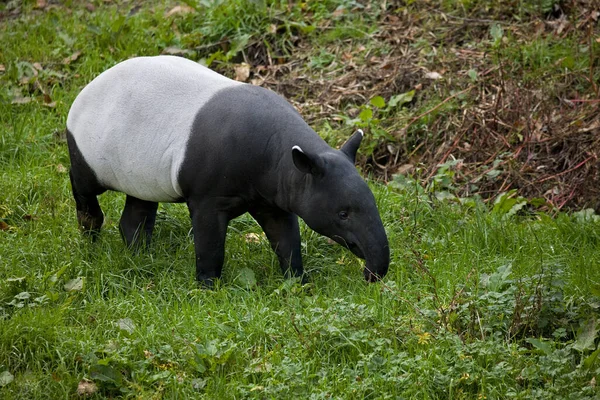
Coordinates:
133 121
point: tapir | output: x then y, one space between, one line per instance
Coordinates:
167 129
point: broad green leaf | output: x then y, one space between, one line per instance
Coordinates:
200 367
538 344
246 278
507 205
366 114
472 74
74 285
496 281
588 363
53 276
586 335
198 383
6 378
238 44
400 99
538 201
518 206
378 101
126 324
23 296
211 348
504 202
493 173
52 296
41 299
588 214
444 195
94 29
105 373
496 32
161 376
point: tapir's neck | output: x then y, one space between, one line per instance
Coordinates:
264 130
292 190
290 186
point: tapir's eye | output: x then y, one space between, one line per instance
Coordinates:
343 214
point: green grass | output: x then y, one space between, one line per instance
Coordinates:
477 303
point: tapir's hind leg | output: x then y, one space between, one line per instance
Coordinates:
89 214
85 188
137 221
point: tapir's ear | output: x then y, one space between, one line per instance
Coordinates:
351 146
307 163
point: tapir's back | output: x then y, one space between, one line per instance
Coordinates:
132 123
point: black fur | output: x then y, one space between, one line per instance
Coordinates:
85 188
233 164
239 159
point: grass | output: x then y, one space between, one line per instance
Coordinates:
480 301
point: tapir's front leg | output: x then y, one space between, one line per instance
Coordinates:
281 228
209 226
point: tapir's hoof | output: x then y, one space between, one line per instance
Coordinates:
304 279
93 234
207 283
371 277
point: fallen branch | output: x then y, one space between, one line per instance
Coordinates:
567 171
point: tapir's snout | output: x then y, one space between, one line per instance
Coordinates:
377 264
376 250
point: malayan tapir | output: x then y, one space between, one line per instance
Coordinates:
167 129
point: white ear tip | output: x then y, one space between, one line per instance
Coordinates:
361 132
297 148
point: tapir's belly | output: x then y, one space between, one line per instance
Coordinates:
133 122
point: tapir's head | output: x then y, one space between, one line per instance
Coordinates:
336 202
